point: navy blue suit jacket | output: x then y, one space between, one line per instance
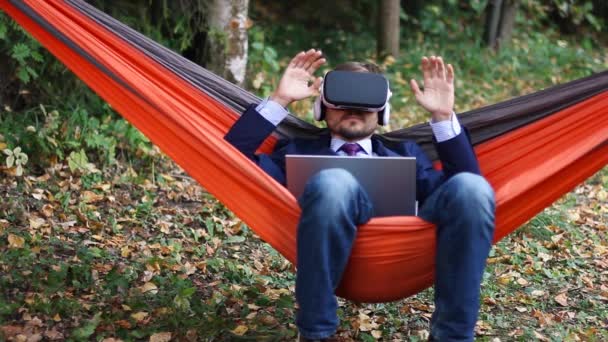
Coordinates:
251 129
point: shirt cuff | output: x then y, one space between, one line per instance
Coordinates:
272 111
447 129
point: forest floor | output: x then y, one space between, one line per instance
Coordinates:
111 255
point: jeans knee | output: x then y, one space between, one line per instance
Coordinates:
471 191
331 185
334 195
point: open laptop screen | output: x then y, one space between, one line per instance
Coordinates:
390 182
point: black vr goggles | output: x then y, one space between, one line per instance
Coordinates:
363 91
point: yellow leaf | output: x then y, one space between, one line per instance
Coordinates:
376 334
149 287
160 337
562 299
164 226
36 222
125 252
90 197
366 323
602 195
15 241
47 210
240 330
139 316
189 268
504 280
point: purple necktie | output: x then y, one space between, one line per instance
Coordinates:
351 149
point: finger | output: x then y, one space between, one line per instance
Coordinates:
316 86
311 56
303 58
415 88
296 59
315 65
450 75
433 67
426 69
440 68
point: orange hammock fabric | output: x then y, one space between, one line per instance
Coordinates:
529 167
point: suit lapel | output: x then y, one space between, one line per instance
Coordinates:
381 150
319 146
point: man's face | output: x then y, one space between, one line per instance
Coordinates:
351 125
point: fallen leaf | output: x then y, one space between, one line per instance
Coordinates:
90 197
189 268
165 226
11 330
366 323
160 337
562 299
36 222
540 336
125 251
149 287
15 241
47 210
240 330
602 195
537 293
139 316
53 335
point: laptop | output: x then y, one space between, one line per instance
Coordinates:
390 182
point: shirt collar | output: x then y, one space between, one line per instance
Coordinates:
366 144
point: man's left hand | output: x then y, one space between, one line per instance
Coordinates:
438 94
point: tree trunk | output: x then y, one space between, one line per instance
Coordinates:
227 39
490 34
507 21
388 28
500 20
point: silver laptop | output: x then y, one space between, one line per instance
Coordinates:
390 182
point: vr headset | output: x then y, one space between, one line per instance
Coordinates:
364 91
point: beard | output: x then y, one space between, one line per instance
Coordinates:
351 132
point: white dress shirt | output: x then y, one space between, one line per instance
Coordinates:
442 130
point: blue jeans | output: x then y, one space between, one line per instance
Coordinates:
334 204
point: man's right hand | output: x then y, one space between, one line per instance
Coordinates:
296 81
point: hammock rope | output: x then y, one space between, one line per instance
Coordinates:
532 149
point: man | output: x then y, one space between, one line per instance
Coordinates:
458 200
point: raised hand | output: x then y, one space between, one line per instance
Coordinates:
438 94
298 81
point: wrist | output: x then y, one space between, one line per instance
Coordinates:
441 115
280 100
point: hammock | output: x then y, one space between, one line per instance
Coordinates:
532 149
